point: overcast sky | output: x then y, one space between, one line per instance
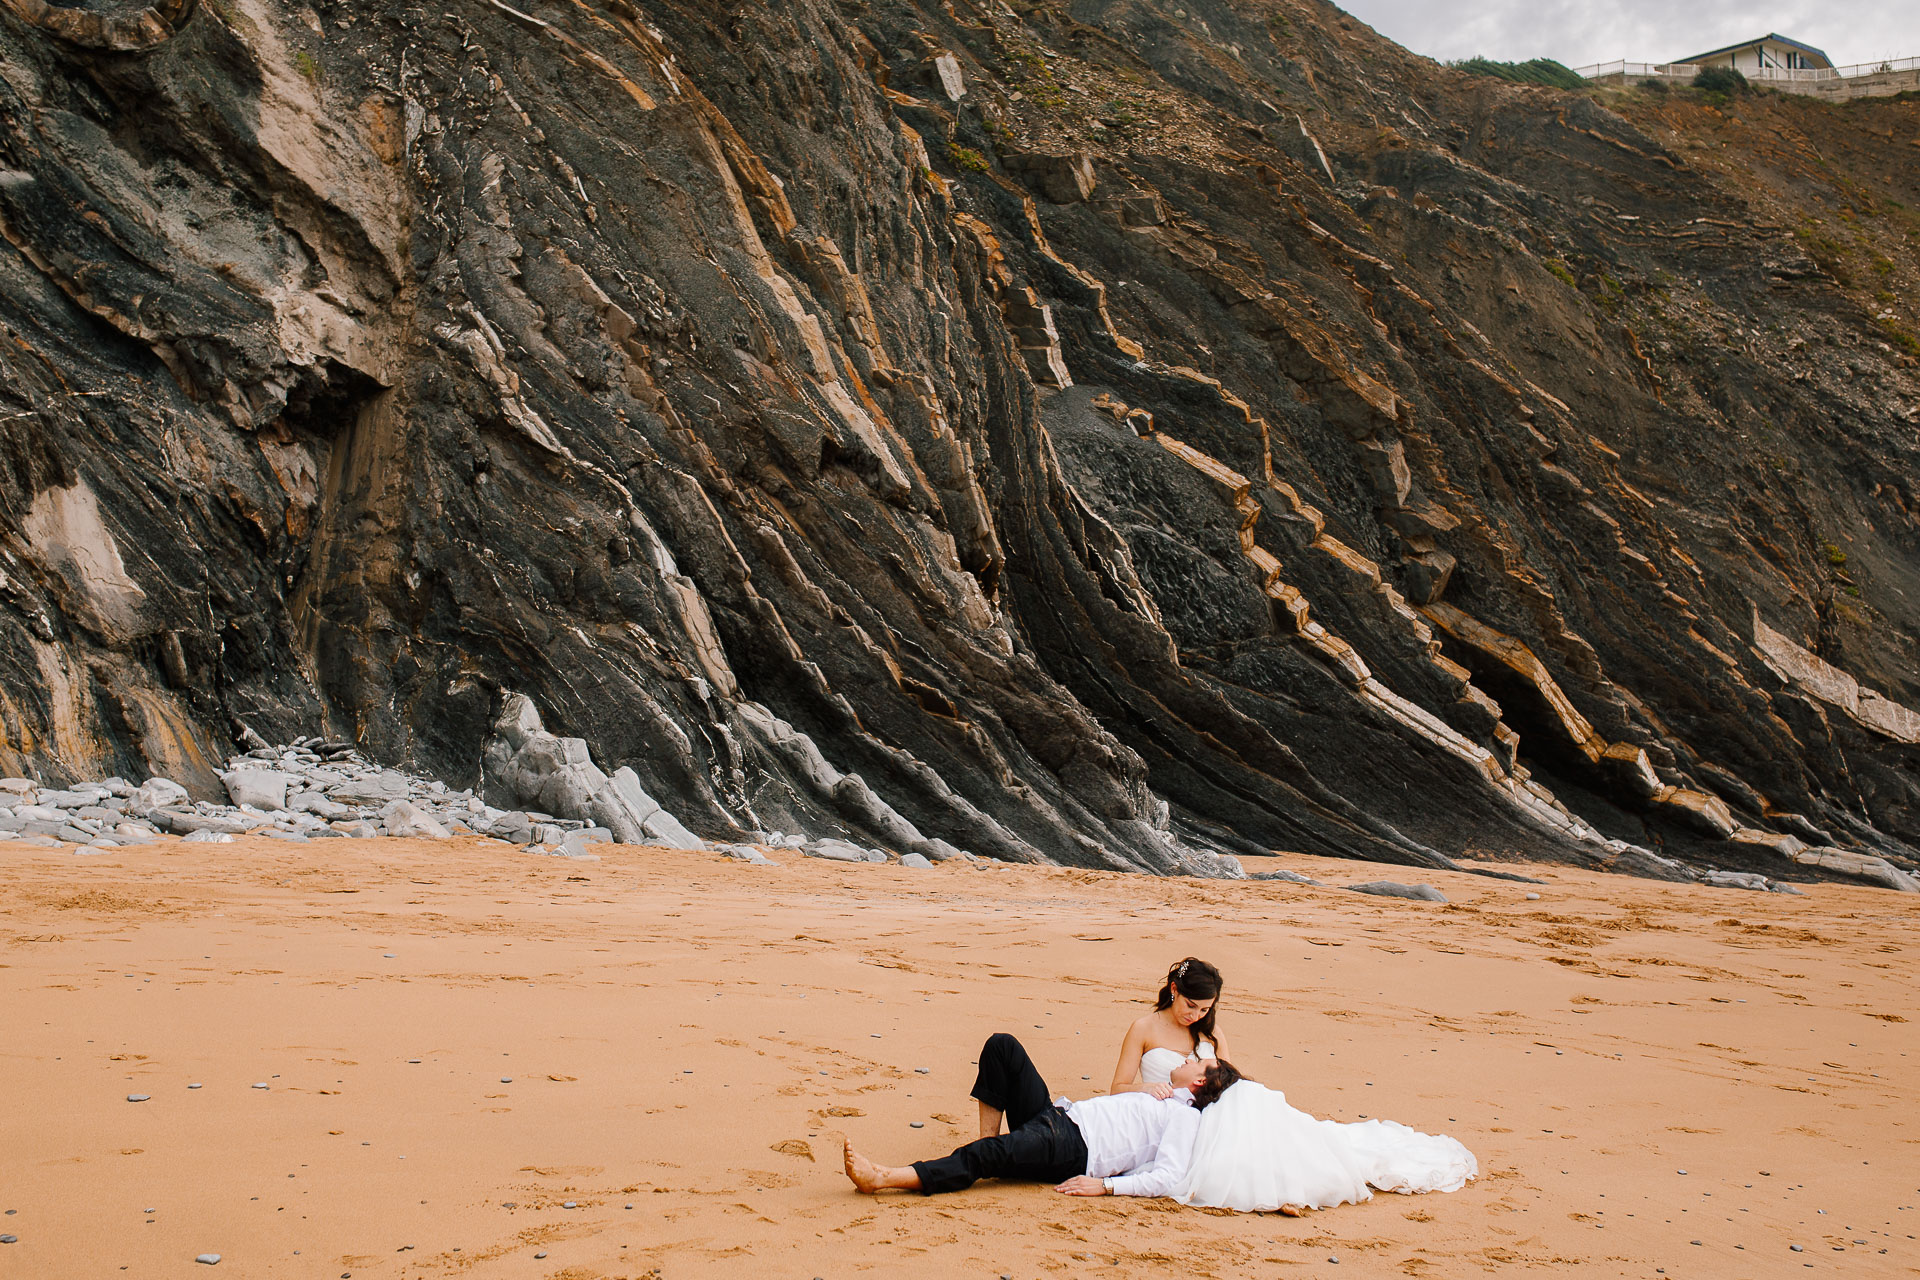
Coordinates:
1578 32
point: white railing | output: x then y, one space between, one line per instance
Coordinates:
1623 68
1684 70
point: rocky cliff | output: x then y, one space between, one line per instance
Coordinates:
1091 430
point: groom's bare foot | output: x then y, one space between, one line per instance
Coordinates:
862 1172
868 1177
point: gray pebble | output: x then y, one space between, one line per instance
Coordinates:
539 1256
916 1124
571 1204
922 1071
138 1097
193 1086
1533 897
209 1258
262 1085
9 1239
506 1079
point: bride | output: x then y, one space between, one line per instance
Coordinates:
1179 1029
1257 1153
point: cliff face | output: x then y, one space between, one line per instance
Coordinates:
1089 431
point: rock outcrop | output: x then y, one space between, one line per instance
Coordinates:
1098 433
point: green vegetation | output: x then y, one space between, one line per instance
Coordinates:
1835 556
1901 338
966 158
304 63
1537 71
1561 272
1720 84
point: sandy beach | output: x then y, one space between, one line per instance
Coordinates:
483 1063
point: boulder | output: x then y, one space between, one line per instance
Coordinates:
1861 866
258 788
379 789
1393 889
156 793
841 851
317 804
184 822
207 837
913 860
404 818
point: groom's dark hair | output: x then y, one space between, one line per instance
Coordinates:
1221 1076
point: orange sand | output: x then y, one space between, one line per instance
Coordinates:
687 1039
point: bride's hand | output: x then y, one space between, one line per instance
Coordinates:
1160 1091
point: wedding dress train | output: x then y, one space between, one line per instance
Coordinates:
1257 1153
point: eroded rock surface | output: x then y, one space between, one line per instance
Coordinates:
1096 433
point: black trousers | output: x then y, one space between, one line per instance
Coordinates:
1042 1143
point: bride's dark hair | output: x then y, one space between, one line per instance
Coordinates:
1196 980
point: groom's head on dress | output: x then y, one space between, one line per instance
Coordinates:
1218 1077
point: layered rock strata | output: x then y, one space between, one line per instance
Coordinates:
1094 434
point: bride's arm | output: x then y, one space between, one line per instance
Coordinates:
1126 1072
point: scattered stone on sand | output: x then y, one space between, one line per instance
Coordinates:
138 1097
1393 889
210 1259
841 851
1291 877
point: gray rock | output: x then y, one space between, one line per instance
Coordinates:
623 806
938 850
1736 880
211 1259
319 805
77 835
746 853
186 821
663 828
1291 877
513 825
404 818
914 860
156 793
294 836
18 786
379 789
97 813
1392 889
207 837
76 799
40 813
360 829
548 833
841 851
260 788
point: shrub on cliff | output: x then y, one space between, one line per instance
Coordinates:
1721 80
1535 71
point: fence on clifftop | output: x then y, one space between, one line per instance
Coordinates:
1890 75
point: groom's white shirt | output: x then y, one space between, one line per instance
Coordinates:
1137 1144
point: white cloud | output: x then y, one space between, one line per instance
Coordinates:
1577 32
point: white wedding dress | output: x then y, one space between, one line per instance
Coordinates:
1256 1153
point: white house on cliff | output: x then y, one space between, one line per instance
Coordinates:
1777 62
1754 58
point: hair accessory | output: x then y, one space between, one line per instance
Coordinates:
1181 972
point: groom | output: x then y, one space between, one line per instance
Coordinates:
1129 1144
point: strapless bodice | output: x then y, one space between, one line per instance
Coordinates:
1157 1065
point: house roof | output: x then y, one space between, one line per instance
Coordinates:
1772 36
